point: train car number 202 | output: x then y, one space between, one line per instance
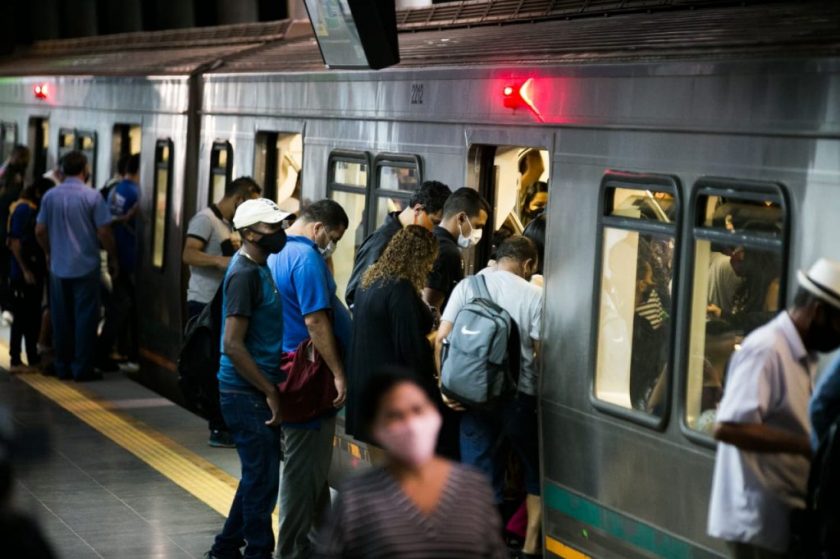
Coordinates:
417 94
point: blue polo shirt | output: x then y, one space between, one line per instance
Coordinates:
22 228
72 212
249 292
123 197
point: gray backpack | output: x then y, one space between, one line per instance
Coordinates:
480 358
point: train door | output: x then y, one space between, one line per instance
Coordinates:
514 180
38 140
125 141
73 139
278 159
8 139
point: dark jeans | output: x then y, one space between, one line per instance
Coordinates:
26 308
482 433
258 446
120 318
74 308
215 420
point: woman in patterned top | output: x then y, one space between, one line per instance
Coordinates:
417 505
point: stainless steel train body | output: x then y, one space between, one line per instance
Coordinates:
759 125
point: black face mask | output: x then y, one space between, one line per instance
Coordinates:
272 243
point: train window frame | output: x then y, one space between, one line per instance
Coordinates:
742 190
394 160
4 127
160 165
80 136
218 147
61 149
611 181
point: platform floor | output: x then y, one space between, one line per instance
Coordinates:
125 473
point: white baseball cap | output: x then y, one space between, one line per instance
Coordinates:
260 210
823 280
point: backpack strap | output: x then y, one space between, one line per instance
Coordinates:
478 286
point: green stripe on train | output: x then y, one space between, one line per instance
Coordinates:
638 534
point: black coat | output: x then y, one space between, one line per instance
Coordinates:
390 325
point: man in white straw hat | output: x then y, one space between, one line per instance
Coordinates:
249 371
763 459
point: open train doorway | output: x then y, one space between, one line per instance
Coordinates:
278 159
514 180
38 140
126 140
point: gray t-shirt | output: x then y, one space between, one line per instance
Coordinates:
523 301
214 231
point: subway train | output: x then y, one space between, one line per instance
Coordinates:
673 136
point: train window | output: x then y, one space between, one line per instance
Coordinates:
221 170
86 143
278 161
347 184
9 133
125 140
739 270
38 140
66 141
397 176
635 311
160 211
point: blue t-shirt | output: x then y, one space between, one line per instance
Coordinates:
123 197
72 212
249 292
824 408
22 228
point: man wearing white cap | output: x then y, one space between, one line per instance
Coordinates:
763 459
249 370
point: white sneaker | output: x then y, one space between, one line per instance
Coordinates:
129 367
7 318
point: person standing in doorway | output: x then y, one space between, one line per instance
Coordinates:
72 222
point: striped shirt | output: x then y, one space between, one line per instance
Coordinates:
373 518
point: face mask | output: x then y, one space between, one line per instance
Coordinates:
473 238
272 243
328 250
412 442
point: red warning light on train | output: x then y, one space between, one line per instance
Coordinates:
42 90
519 95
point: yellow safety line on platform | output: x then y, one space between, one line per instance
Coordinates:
563 550
191 472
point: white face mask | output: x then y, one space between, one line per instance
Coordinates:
471 240
412 441
328 250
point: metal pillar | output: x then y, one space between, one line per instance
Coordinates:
79 18
174 14
241 11
120 16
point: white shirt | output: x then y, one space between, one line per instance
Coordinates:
522 301
769 382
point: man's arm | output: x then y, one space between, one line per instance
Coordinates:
236 327
15 247
320 331
756 437
43 237
194 255
106 237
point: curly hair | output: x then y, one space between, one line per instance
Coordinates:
409 255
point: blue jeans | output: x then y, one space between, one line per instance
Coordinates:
74 310
249 520
483 434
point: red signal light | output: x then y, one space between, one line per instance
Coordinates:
521 95
42 90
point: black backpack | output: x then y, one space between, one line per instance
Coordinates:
198 362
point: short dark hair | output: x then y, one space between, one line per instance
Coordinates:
132 164
465 200
432 195
122 163
245 186
536 232
73 163
519 248
37 189
382 382
329 212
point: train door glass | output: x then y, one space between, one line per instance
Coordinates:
161 197
38 141
221 170
739 268
347 183
278 159
86 143
9 140
397 176
66 141
125 141
635 312
514 179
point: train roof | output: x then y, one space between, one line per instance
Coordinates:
471 33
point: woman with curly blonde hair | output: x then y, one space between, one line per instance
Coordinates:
390 320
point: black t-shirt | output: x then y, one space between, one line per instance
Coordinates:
448 269
370 251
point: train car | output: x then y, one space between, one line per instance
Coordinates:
672 140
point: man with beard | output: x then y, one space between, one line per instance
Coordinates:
761 470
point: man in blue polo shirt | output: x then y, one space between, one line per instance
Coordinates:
310 310
71 223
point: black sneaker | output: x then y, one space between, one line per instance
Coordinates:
221 439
